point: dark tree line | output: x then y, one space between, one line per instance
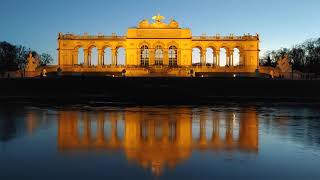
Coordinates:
14 57
304 57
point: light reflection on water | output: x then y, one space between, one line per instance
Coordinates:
181 142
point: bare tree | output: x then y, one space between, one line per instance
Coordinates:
45 59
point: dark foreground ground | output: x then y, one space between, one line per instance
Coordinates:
157 90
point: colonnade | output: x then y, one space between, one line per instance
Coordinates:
87 61
230 59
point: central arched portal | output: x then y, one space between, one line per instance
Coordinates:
158 55
144 56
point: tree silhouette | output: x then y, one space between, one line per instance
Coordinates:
45 59
15 57
304 57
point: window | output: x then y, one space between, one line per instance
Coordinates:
173 56
158 56
144 56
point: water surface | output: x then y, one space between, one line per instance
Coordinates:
223 141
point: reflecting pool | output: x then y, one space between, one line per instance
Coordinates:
223 141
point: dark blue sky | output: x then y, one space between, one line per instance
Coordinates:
36 23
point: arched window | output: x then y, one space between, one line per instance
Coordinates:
144 55
173 54
158 56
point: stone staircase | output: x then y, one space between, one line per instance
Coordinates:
158 71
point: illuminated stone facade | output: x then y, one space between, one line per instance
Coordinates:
158 47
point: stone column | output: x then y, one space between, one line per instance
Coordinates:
203 57
90 58
100 55
231 58
214 59
86 57
113 57
102 58
217 57
152 56
116 58
228 58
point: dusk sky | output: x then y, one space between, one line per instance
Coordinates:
280 23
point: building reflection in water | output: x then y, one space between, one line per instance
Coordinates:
158 137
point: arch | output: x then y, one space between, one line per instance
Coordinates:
78 46
158 55
121 45
79 56
107 55
106 45
225 46
93 55
238 46
236 56
121 55
223 56
144 55
196 56
212 53
210 56
144 43
197 45
91 46
158 43
172 43
212 46
173 56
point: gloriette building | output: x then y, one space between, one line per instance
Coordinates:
159 48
